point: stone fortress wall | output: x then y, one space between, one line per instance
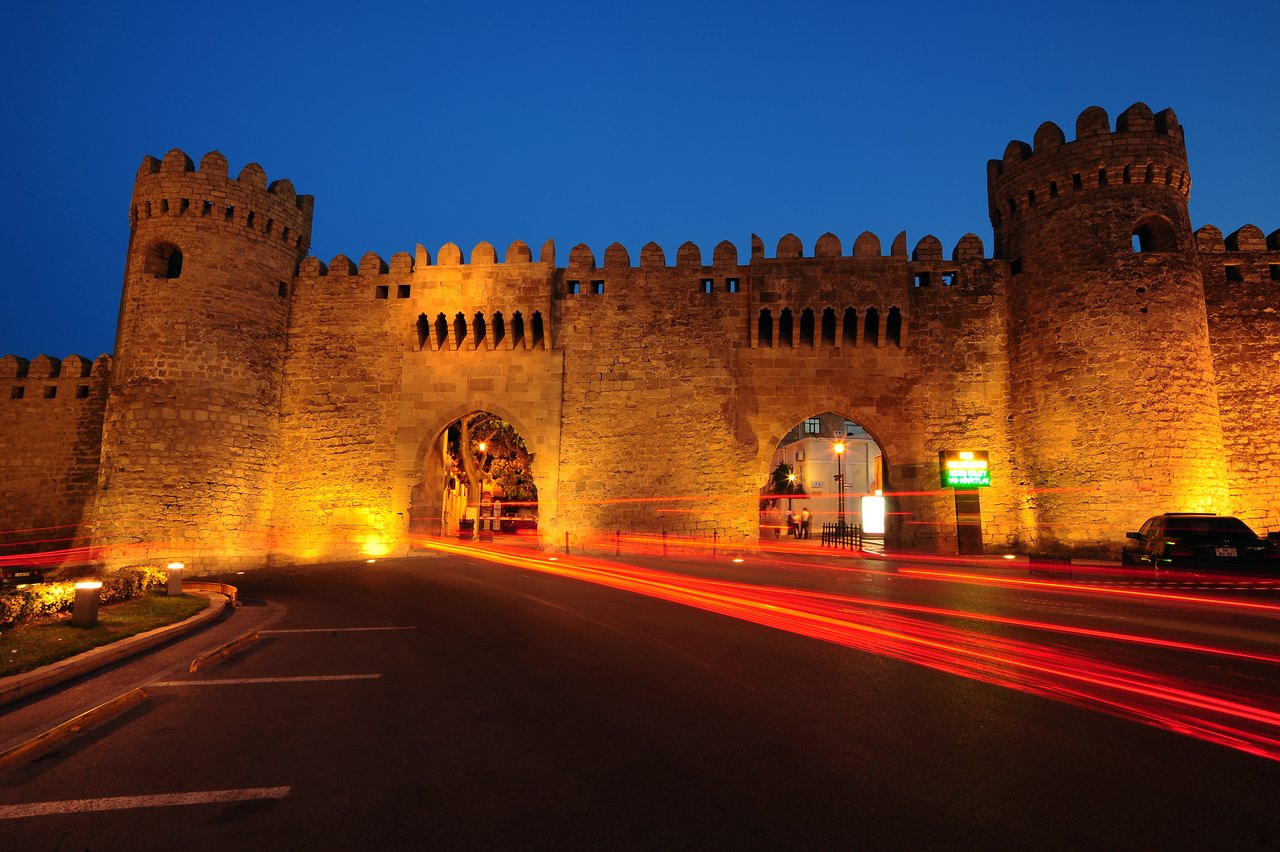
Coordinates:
267 407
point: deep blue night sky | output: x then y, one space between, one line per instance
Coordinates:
423 123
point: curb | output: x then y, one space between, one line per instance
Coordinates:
223 651
17 687
85 721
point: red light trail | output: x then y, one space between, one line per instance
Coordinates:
1247 722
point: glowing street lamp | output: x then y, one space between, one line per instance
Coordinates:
839 448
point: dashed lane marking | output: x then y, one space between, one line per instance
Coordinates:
124 803
252 680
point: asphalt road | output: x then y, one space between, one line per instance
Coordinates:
442 702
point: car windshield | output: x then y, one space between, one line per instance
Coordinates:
1205 526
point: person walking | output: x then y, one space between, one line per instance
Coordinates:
804 522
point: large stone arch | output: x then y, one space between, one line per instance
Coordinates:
419 475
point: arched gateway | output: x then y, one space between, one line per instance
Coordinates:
289 422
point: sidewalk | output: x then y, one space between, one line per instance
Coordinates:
105 673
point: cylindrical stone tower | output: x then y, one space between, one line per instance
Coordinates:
191 416
1114 400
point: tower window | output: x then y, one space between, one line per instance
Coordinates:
731 285
50 391
922 279
163 260
597 288
949 279
207 208
828 327
1154 234
1076 182
82 391
459 330
1031 198
17 392
249 222
572 287
1234 273
402 291
1102 177
1053 189
1274 270
499 329
381 291
283 290
1015 266
708 284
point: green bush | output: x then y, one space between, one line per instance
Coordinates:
40 600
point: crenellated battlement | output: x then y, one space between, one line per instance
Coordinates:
47 378
1244 256
652 256
174 187
1144 148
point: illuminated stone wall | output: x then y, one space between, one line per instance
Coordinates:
1242 289
190 426
263 407
1113 395
50 441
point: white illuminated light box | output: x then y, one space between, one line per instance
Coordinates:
873 514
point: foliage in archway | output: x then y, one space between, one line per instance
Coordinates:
494 454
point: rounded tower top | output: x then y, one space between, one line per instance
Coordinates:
1144 149
175 187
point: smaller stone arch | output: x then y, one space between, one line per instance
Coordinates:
764 329
828 338
785 330
459 330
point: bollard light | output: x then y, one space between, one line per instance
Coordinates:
85 611
174 587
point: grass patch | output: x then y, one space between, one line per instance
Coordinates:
48 640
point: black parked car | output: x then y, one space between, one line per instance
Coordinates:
17 575
1196 540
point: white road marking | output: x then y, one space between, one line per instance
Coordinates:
122 803
334 629
248 680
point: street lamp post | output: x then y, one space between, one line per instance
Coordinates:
839 448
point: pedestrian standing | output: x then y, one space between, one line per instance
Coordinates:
804 522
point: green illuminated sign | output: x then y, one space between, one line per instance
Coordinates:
964 468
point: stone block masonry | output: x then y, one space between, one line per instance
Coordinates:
266 407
